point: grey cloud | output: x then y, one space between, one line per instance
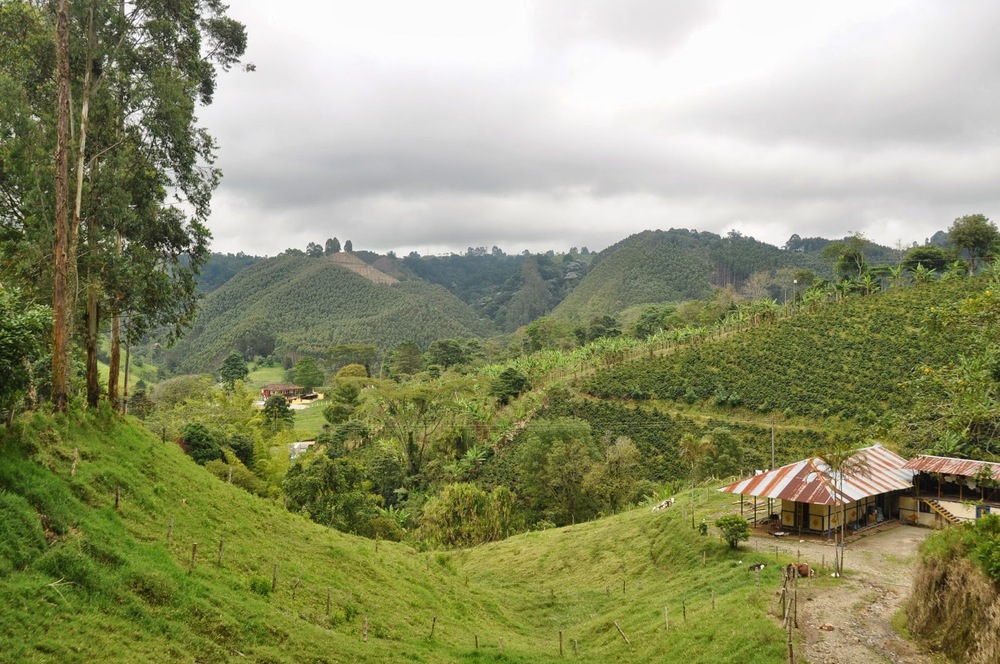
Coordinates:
652 26
889 132
935 82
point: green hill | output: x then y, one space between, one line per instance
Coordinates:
98 563
846 359
510 290
304 304
672 266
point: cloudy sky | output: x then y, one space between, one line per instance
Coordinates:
438 125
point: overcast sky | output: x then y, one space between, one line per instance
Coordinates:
439 125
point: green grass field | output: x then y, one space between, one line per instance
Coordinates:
84 581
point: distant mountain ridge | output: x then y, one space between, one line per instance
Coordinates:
304 304
298 304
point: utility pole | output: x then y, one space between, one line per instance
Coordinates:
772 442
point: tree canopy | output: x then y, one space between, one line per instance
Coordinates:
975 234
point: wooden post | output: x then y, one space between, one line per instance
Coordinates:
704 558
666 619
222 541
623 586
274 578
798 555
118 496
194 552
297 582
500 648
170 529
376 542
713 599
795 599
621 632
560 644
76 459
433 623
328 601
477 641
364 629
684 609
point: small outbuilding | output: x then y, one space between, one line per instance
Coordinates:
812 497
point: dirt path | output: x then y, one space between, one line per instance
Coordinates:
860 608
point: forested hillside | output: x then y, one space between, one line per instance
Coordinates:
305 304
672 266
510 290
220 268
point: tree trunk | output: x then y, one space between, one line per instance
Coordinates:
60 297
114 363
125 388
93 385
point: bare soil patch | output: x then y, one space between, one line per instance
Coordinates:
860 606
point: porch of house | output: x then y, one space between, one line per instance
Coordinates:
785 518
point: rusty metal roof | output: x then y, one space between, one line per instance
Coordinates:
952 466
812 481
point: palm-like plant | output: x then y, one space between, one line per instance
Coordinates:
922 275
897 276
693 451
840 460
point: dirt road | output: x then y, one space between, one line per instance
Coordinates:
860 607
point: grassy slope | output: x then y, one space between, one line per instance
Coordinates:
107 586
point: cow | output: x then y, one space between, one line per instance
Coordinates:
756 568
799 569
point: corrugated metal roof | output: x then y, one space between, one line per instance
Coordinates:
812 481
951 466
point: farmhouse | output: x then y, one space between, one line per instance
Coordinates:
287 391
950 491
812 497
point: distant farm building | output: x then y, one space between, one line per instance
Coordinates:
809 496
285 390
951 491
301 447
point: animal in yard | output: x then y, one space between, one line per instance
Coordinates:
664 505
800 569
757 567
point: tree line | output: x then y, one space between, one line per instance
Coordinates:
106 175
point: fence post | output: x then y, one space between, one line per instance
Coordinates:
194 552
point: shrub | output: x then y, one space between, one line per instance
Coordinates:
260 586
199 443
735 529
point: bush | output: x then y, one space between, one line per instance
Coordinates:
260 586
735 529
199 443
